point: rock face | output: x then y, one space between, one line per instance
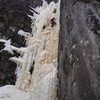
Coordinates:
12 18
79 50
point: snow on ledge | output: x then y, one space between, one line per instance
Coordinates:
10 92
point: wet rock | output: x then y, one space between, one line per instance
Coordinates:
13 17
79 53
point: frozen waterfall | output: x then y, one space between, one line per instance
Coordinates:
37 64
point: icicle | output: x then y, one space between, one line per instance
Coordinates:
21 50
18 61
45 4
23 33
8 46
33 11
31 17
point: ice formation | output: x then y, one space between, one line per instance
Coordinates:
37 77
10 92
8 46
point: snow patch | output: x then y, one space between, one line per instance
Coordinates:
10 92
8 46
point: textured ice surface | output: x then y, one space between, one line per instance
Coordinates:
10 92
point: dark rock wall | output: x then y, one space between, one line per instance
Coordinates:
13 17
79 50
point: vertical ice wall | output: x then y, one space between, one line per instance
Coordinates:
38 60
44 76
